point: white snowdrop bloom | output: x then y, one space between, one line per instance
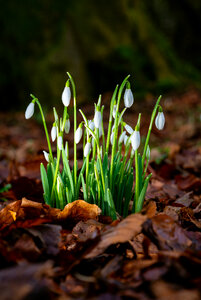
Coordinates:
53 133
125 139
100 131
29 111
160 121
97 119
66 149
113 126
66 96
114 111
87 149
128 98
129 129
60 142
78 135
121 138
46 155
67 126
91 125
132 152
135 140
112 138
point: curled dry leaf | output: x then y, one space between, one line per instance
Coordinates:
123 232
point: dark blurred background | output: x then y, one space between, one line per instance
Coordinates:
98 42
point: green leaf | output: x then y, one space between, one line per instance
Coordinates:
139 203
67 168
45 184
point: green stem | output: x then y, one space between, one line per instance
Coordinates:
136 178
56 172
110 119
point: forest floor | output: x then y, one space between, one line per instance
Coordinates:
77 253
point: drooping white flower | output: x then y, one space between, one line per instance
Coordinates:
129 129
78 135
128 98
160 121
100 131
91 125
60 142
112 138
87 149
46 155
125 139
53 133
29 111
121 138
67 126
114 111
135 140
66 96
97 119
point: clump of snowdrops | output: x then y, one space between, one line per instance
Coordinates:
107 177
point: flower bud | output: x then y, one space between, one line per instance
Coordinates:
46 155
78 135
60 142
128 128
160 121
29 111
67 126
125 139
54 133
87 149
128 98
91 125
122 136
66 96
112 138
97 119
135 140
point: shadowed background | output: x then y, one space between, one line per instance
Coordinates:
99 43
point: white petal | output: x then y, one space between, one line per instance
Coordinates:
148 152
114 111
87 149
66 96
67 126
112 138
29 111
160 121
121 138
78 135
100 131
97 119
46 155
128 98
135 140
125 139
60 142
128 128
91 125
53 133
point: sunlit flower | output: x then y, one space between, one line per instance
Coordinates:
97 119
128 98
67 126
53 133
29 111
46 155
78 135
87 149
160 121
135 140
128 128
66 96
60 142
122 136
125 139
91 125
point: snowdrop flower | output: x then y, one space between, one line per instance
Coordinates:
160 120
128 98
67 126
122 136
29 111
46 155
60 142
129 129
66 96
97 119
135 140
91 125
125 139
100 131
54 133
112 138
87 149
66 149
78 135
114 111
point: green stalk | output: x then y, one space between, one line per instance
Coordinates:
56 172
110 119
45 127
136 178
103 133
75 127
149 130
